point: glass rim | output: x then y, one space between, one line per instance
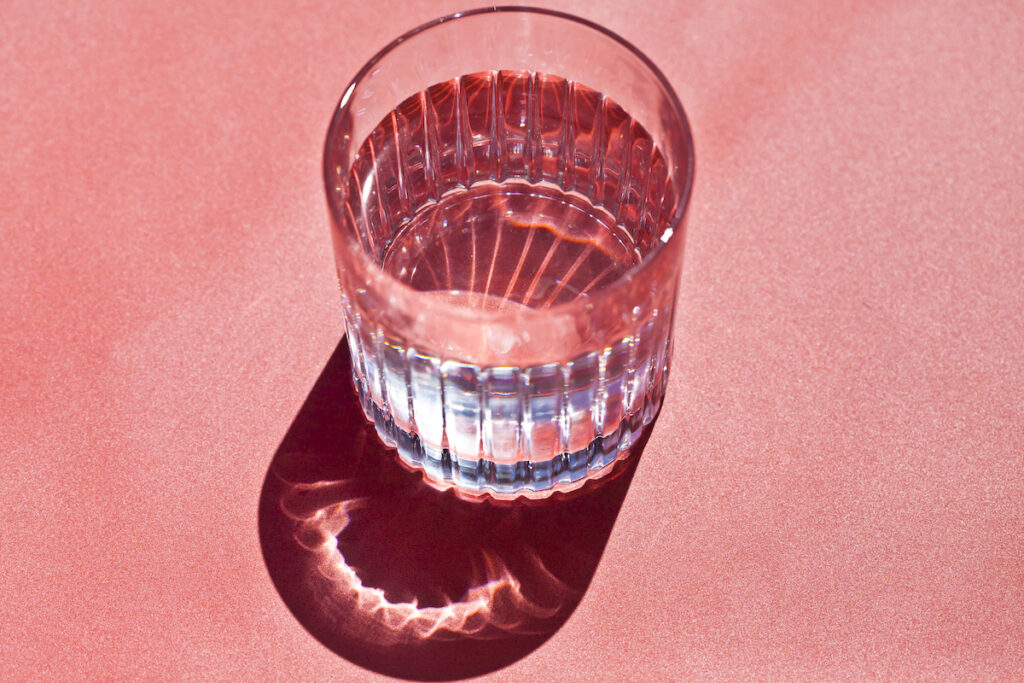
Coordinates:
675 228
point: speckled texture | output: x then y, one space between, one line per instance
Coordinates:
835 487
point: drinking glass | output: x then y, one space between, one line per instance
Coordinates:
507 190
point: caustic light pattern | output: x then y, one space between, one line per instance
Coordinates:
493 607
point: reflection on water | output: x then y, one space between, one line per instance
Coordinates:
404 579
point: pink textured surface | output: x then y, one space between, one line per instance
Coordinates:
836 483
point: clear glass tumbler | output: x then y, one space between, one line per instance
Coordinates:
507 189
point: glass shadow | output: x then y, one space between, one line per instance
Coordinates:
409 581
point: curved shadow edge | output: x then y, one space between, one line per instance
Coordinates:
409 581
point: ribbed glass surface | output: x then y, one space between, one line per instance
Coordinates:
504 191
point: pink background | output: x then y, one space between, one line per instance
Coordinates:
835 487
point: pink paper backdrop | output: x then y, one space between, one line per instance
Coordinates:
835 487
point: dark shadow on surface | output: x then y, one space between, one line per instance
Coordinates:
409 581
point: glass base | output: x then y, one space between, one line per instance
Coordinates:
508 480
